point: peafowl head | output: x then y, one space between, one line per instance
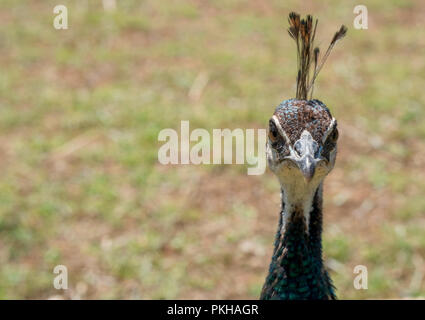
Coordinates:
302 140
302 145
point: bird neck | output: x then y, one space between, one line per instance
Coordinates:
296 267
301 222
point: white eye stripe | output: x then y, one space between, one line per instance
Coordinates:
329 130
281 131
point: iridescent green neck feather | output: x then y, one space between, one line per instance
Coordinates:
296 271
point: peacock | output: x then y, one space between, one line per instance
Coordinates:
301 151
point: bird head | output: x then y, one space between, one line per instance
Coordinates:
301 145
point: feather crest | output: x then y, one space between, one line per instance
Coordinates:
303 31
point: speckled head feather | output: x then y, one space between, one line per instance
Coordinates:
295 116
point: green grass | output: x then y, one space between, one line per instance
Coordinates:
80 113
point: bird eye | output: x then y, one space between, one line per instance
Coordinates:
334 135
273 133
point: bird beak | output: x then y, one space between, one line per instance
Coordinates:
306 148
307 166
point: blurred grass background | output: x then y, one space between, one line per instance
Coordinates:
80 113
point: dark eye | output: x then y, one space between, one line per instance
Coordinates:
334 135
273 133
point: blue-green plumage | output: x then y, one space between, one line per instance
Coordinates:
296 271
